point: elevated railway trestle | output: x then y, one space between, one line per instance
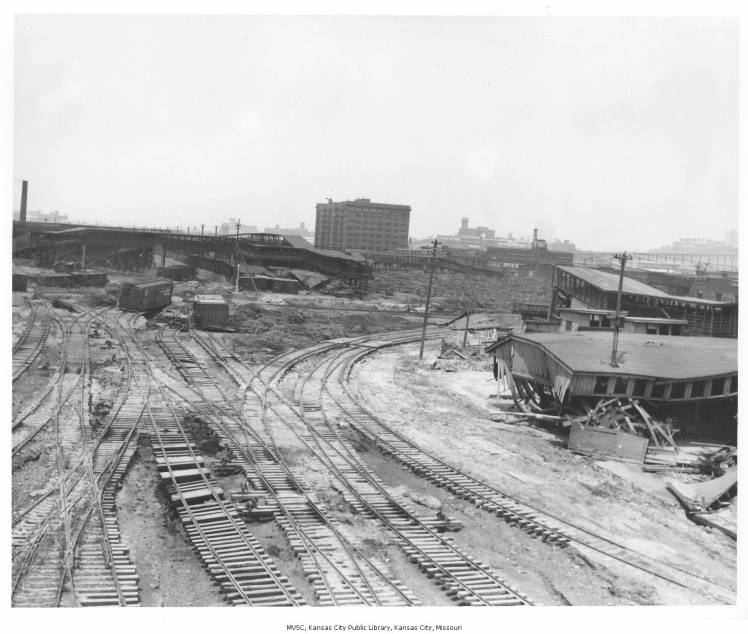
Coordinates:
133 249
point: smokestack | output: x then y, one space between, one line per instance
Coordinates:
534 234
24 195
464 223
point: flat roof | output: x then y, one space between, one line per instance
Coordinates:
641 355
209 299
608 282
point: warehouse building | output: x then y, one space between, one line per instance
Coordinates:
578 287
361 225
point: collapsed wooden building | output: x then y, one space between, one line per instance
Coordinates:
692 379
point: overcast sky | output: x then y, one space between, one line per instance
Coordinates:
613 133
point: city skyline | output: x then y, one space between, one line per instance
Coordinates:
589 129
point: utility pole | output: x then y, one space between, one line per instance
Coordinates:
623 257
238 224
464 337
428 300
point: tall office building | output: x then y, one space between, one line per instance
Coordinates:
361 224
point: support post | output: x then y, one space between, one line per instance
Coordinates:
83 257
464 336
428 300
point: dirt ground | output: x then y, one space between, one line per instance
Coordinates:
447 413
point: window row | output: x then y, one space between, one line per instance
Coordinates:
647 388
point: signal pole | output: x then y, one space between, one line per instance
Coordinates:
623 257
428 299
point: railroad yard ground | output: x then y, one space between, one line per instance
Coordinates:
448 407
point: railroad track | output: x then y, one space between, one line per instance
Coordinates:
31 341
219 535
464 579
29 322
89 561
340 574
536 521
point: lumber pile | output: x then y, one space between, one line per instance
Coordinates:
630 416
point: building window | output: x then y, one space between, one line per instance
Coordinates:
718 387
601 385
697 389
621 386
658 390
568 325
678 391
734 384
640 386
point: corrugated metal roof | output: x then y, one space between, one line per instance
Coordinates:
640 355
608 282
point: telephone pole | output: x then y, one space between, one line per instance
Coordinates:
428 299
238 224
623 257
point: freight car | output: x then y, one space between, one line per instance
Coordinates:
19 282
145 296
210 311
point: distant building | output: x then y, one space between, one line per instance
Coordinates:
301 230
561 245
42 216
228 228
362 225
483 233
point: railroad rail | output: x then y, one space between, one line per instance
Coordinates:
221 538
549 527
338 571
31 341
90 557
463 578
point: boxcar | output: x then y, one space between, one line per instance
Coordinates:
144 296
19 282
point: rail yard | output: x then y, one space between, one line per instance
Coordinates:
301 454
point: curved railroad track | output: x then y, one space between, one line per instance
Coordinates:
340 574
538 522
463 578
86 559
31 341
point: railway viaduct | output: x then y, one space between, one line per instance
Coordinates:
134 249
